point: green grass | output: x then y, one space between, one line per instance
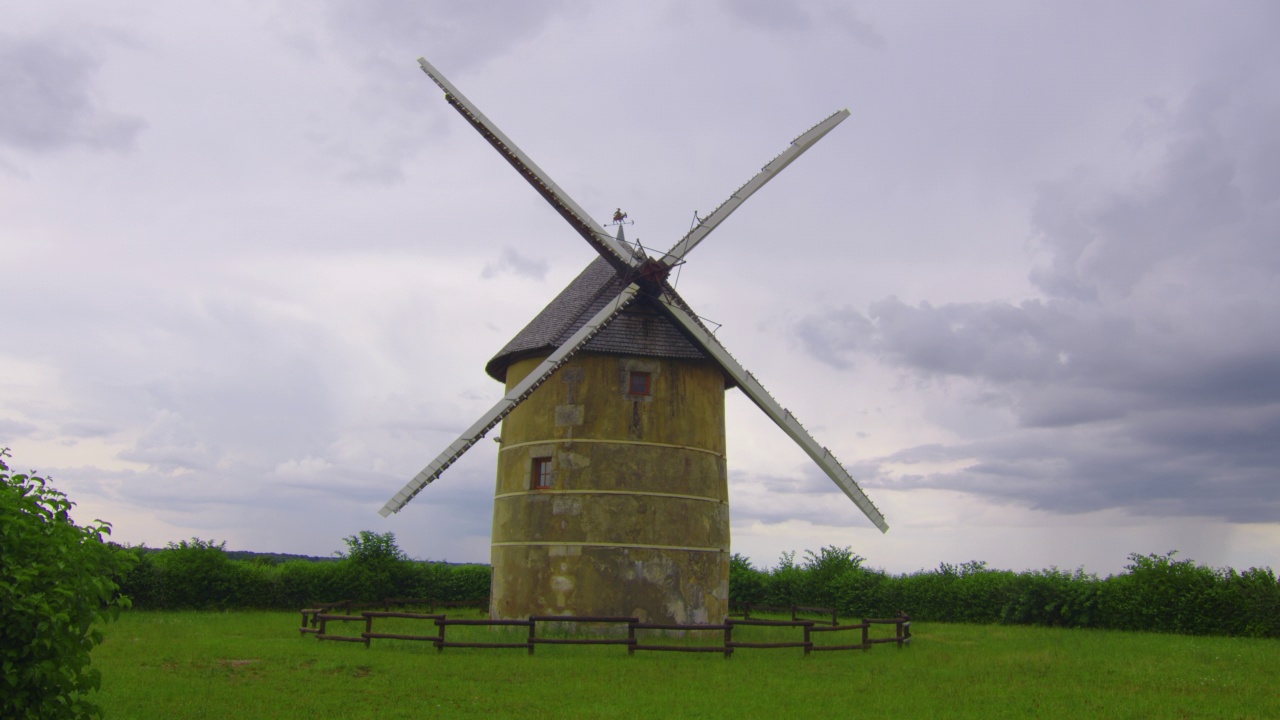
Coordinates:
256 665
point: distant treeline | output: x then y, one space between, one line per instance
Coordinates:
201 575
1155 592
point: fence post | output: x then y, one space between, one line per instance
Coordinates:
368 628
728 639
531 634
866 636
808 641
443 627
897 632
631 638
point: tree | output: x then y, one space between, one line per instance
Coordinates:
373 548
374 567
57 581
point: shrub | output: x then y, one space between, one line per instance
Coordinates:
746 584
786 582
1257 595
373 568
371 548
826 573
57 580
198 575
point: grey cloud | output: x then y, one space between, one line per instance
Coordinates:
392 100
516 264
1209 205
170 445
809 495
1148 377
86 429
11 430
1161 463
46 90
460 35
797 16
835 338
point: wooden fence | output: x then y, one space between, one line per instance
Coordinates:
596 630
745 610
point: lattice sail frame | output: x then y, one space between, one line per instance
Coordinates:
647 275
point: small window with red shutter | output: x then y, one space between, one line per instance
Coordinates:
541 473
639 383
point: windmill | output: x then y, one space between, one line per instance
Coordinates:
612 489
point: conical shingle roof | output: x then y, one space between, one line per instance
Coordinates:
640 330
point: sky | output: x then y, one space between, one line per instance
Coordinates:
1028 292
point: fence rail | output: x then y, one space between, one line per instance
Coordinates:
315 621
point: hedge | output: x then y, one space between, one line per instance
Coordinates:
1155 592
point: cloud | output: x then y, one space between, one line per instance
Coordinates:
806 495
11 430
1147 377
516 264
369 49
170 445
265 305
461 34
46 90
799 16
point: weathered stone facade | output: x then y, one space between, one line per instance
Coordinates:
635 517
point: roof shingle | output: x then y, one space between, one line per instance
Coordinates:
640 330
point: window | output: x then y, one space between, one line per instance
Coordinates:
639 383
541 472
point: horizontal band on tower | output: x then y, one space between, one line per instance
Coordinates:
609 545
548 491
570 441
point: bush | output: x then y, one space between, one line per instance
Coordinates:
198 575
57 580
825 573
746 584
1161 594
373 568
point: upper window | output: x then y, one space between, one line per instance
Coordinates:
640 383
542 472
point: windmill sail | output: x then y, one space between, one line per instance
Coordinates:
517 395
805 141
642 277
619 254
677 310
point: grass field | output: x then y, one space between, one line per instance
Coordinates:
256 665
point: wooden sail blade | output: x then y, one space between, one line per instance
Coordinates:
619 254
680 313
806 140
517 395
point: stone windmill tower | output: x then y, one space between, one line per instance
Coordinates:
612 493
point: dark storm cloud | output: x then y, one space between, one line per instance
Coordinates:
1148 376
46 90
